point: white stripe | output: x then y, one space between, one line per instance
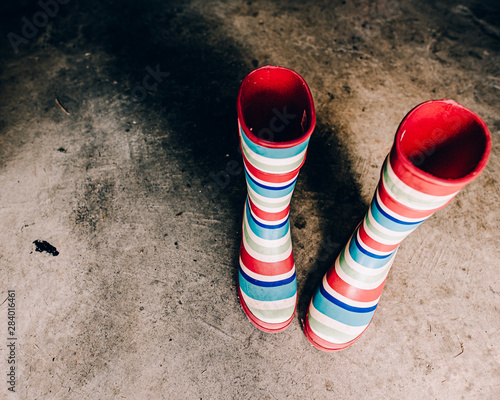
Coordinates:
362 285
284 169
269 199
358 267
269 209
398 236
279 162
272 184
334 324
406 201
434 201
377 238
268 243
264 257
353 303
263 221
369 249
269 305
394 214
267 278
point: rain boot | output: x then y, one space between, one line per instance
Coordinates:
276 118
439 148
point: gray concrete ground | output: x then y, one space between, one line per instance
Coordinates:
127 184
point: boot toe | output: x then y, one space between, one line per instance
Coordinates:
268 315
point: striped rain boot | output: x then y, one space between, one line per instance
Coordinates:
440 147
276 118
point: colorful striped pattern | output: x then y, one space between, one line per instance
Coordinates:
346 299
266 279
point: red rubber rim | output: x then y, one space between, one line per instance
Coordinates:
312 113
429 182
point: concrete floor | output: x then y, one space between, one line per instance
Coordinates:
127 184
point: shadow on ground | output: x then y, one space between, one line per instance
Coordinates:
328 172
197 73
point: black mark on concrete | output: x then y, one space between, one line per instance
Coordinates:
300 222
42 245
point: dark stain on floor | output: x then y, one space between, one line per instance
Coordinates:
44 246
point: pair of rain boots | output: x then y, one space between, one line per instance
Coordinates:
439 148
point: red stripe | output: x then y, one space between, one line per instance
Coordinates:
265 268
398 208
372 243
349 291
271 177
267 216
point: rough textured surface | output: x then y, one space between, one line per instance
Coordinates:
140 302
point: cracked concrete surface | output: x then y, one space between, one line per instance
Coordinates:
127 184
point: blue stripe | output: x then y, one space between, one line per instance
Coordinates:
362 250
345 306
273 194
266 283
339 314
263 293
280 225
393 218
388 222
271 187
268 232
364 258
277 152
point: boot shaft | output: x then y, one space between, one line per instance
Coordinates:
439 148
271 174
276 119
